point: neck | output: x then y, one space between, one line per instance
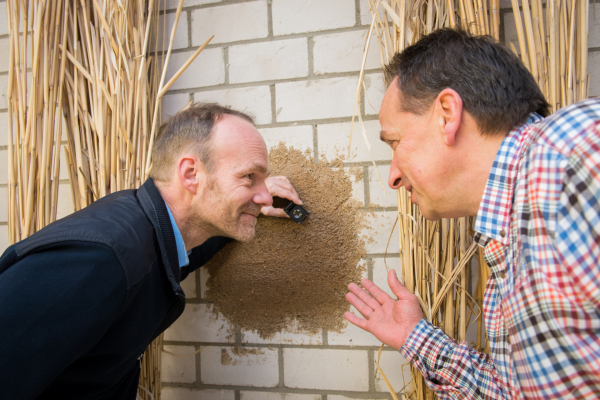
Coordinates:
193 231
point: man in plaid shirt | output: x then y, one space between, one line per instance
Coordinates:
465 120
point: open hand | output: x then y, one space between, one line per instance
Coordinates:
280 186
391 321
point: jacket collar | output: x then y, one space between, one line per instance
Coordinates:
155 208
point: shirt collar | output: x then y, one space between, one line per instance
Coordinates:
182 254
493 217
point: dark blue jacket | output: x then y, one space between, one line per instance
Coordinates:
82 298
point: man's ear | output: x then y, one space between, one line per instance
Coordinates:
449 106
191 173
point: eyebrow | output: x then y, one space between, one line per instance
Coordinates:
261 168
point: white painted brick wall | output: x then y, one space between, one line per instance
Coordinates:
175 393
290 335
377 196
229 23
299 137
198 324
594 71
179 366
261 370
335 138
315 99
396 369
277 396
255 100
265 61
291 16
326 369
172 4
343 52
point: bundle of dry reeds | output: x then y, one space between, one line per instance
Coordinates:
555 50
97 73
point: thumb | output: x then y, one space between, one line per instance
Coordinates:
397 288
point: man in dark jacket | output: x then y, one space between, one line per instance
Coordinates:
81 299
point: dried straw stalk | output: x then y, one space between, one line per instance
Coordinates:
437 258
97 64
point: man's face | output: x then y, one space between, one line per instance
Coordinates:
420 161
235 189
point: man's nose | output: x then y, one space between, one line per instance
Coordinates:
263 197
395 179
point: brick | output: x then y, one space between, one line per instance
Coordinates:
3 128
396 369
593 30
291 16
254 100
171 104
230 23
3 20
280 59
315 99
178 369
365 13
352 335
189 285
5 54
379 224
181 34
221 366
172 4
339 397
199 324
3 203
376 193
3 90
290 335
358 185
207 69
3 237
333 142
374 95
326 369
64 203
299 137
175 393
203 278
277 396
594 71
380 272
3 166
505 4
343 52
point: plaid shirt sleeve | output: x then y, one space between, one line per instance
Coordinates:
452 369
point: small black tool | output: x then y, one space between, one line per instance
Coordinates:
296 212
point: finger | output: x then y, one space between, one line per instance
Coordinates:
362 308
397 288
271 211
364 296
353 319
282 187
379 294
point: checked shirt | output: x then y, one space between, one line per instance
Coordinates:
539 224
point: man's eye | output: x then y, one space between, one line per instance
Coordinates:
249 176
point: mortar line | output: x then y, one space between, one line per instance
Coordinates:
238 336
370 268
367 199
278 346
236 395
199 283
371 366
280 366
325 338
310 43
189 33
269 18
273 104
198 364
276 389
315 144
226 64
357 12
324 396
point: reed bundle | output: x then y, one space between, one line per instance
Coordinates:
96 73
554 47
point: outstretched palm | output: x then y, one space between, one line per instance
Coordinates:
391 321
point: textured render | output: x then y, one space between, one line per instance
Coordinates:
294 66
